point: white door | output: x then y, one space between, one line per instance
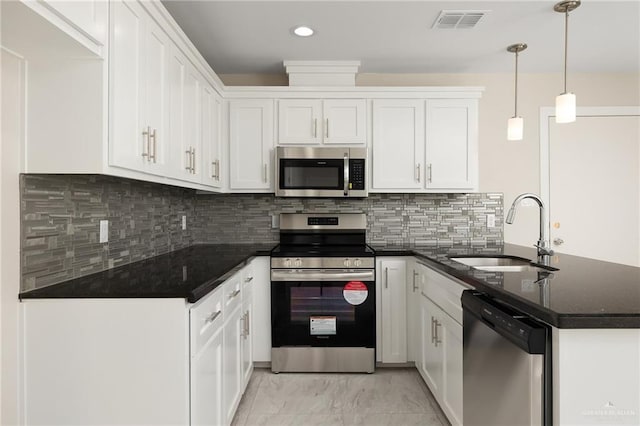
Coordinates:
594 186
250 144
431 360
232 363
451 143
176 74
345 121
413 312
299 121
206 383
211 147
450 332
394 314
398 145
128 145
156 97
192 122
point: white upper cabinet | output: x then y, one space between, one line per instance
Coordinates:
138 90
451 144
251 145
398 145
211 143
87 16
316 121
425 146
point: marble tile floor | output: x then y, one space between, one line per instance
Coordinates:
390 396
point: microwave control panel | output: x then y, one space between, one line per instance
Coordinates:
356 174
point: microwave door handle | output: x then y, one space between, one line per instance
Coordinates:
346 174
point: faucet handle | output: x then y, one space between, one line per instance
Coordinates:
543 249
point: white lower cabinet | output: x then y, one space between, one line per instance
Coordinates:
140 361
440 322
391 314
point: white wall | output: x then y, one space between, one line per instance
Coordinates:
507 167
13 94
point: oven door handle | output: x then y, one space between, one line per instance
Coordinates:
321 275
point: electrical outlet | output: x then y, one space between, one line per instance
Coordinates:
104 231
491 221
275 221
184 222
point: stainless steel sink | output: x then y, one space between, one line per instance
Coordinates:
502 264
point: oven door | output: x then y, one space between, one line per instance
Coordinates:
323 308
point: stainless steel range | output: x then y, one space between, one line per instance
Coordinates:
323 295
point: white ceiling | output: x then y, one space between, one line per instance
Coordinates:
396 36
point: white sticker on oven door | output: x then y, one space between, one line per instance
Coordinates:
355 292
322 326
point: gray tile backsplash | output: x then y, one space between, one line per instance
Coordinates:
61 215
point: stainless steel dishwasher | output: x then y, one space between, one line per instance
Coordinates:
506 365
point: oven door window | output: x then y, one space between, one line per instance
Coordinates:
317 314
311 174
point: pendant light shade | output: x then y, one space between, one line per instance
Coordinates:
515 125
566 101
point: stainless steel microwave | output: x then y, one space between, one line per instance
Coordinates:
321 172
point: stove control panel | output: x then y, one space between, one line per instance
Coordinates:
322 262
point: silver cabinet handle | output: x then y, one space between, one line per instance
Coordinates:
326 128
386 277
346 174
437 340
193 167
315 127
429 169
418 173
558 241
248 279
188 152
145 141
415 287
234 294
213 170
153 136
433 332
246 324
212 317
218 170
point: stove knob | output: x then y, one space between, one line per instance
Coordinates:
346 262
287 263
298 263
357 262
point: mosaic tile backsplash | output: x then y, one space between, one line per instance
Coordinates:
393 219
61 216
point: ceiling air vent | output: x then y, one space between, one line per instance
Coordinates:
459 19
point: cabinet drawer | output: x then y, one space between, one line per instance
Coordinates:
206 318
444 292
232 293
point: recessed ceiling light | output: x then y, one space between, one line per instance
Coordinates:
303 31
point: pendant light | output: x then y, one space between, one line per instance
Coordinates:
515 125
566 101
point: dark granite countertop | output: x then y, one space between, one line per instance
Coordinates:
188 273
583 293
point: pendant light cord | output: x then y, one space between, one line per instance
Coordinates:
566 44
516 88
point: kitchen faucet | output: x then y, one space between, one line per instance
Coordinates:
543 241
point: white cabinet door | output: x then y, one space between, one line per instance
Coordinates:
232 362
451 144
431 365
299 121
345 121
451 333
251 145
89 16
191 143
156 108
247 338
398 145
128 146
413 311
211 137
206 383
261 314
394 315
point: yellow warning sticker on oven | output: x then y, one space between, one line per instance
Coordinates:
322 326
